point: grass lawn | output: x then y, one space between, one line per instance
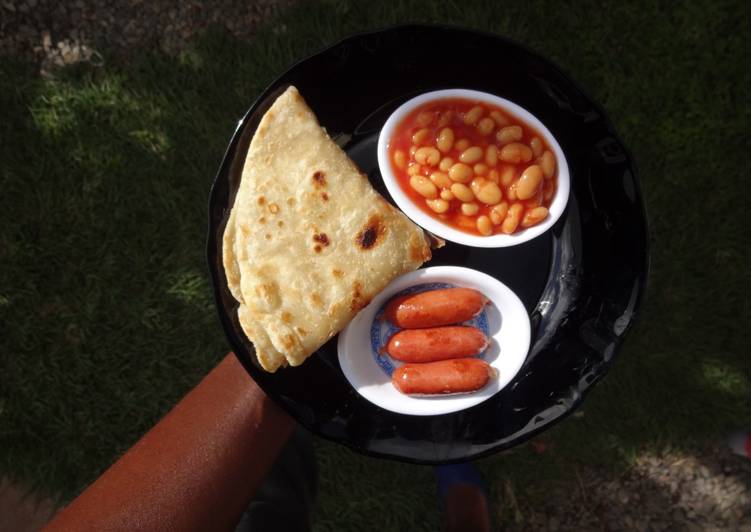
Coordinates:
106 318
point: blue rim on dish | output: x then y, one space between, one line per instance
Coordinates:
582 282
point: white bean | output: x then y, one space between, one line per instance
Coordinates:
462 192
428 155
441 179
470 209
529 182
471 155
423 186
445 140
484 226
486 126
509 134
438 205
460 172
547 162
420 136
474 114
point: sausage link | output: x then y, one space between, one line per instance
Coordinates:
447 376
435 308
437 343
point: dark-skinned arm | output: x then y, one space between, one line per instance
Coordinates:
197 469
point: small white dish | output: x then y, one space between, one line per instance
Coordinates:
504 320
436 226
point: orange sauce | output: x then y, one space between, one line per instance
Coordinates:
451 113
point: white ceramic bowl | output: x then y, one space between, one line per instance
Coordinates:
436 226
504 320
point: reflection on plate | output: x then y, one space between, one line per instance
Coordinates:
504 321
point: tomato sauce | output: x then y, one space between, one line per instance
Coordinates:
475 125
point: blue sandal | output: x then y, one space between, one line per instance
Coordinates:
451 475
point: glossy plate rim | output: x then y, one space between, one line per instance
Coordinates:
216 277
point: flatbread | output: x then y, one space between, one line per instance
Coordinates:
308 242
231 267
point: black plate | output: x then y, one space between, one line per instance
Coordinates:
581 282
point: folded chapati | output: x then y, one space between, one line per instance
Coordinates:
308 242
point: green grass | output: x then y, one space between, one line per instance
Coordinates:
105 312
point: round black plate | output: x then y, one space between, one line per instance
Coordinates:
581 282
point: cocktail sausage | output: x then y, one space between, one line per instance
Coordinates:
435 308
437 343
447 376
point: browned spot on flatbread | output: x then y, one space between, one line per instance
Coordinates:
315 298
267 236
358 302
288 342
273 208
321 238
280 223
317 248
286 317
301 331
262 220
268 293
261 200
337 273
334 308
371 234
245 228
291 201
319 179
324 196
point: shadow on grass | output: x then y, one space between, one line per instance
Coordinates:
105 301
105 306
